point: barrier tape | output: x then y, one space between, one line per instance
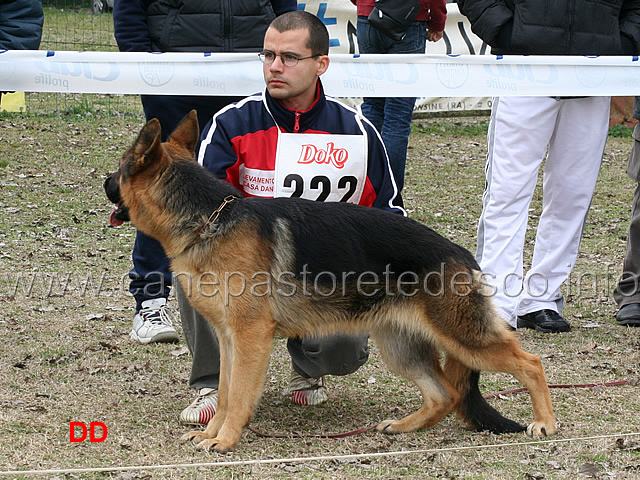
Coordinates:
424 75
355 456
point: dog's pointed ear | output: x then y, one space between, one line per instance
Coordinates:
187 133
148 139
145 149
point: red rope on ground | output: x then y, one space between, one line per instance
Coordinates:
337 435
575 385
489 395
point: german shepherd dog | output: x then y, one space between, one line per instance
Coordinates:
291 267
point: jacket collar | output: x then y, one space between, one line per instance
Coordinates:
286 118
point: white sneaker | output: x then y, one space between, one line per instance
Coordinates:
306 391
202 409
154 323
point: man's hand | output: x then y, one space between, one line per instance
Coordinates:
434 36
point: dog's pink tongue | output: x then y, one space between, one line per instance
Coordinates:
112 218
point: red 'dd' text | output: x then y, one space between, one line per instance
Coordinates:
76 428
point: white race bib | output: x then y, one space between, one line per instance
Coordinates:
321 167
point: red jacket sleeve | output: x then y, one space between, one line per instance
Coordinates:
438 15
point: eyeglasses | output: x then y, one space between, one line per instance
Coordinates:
288 59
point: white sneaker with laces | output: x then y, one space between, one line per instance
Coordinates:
202 409
306 391
154 323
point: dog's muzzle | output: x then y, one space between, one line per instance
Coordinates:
119 213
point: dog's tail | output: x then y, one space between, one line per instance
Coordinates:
473 409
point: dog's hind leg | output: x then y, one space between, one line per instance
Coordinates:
416 359
505 355
527 368
473 409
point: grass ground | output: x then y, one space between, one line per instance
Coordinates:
65 315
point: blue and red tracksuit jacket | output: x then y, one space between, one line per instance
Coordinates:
244 135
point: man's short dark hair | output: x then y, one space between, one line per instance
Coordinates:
318 41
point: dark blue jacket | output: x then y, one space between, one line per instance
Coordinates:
556 27
20 24
196 26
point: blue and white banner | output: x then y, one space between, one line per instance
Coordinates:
348 75
456 74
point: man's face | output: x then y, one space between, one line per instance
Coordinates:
294 86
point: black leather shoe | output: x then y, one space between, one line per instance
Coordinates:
546 321
629 315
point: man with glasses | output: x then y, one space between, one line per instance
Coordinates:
291 141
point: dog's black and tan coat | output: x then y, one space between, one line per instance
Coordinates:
291 267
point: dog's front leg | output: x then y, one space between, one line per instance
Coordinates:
215 424
252 344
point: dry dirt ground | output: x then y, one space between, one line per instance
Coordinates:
65 316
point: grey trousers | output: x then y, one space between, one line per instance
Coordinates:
628 289
311 357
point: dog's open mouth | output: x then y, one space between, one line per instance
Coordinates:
119 215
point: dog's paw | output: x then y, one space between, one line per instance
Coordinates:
214 444
390 427
196 437
541 429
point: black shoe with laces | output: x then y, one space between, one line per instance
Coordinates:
546 321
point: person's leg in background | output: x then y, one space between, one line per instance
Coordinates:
519 131
627 292
150 286
392 116
398 112
314 357
150 276
570 175
202 343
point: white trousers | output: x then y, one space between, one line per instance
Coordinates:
520 131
